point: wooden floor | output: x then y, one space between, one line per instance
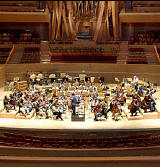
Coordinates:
148 121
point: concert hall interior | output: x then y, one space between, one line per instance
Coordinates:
80 83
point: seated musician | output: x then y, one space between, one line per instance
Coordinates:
99 111
135 106
5 103
111 106
56 111
151 103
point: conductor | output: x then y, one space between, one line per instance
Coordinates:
73 103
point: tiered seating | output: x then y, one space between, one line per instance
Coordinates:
19 6
4 53
18 36
137 140
136 56
149 38
85 54
148 6
31 55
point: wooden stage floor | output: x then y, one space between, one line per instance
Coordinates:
89 124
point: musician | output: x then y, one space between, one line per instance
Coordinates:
97 112
5 103
73 103
135 79
111 106
56 111
135 106
101 79
151 102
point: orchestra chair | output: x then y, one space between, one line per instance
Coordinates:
52 76
129 79
100 95
16 79
78 93
57 84
59 94
97 84
40 76
71 88
63 89
116 79
49 95
91 89
11 86
82 77
91 94
76 84
87 84
85 94
66 85
99 89
62 75
33 76
81 88
67 93
54 90
92 79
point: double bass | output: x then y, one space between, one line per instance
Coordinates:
114 110
144 104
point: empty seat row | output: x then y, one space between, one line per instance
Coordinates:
138 140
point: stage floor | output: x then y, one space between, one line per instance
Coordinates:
88 124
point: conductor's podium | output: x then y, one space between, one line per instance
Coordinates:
78 117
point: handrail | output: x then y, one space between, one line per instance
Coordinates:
156 53
10 54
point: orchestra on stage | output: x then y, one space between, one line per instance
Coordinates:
51 97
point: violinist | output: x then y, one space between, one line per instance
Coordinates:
110 106
122 99
56 111
6 103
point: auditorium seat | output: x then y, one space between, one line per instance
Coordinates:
149 38
83 54
20 6
4 53
18 36
31 55
136 140
136 56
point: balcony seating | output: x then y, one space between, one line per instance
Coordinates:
18 36
149 6
148 38
85 54
136 56
4 53
31 55
19 6
130 140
